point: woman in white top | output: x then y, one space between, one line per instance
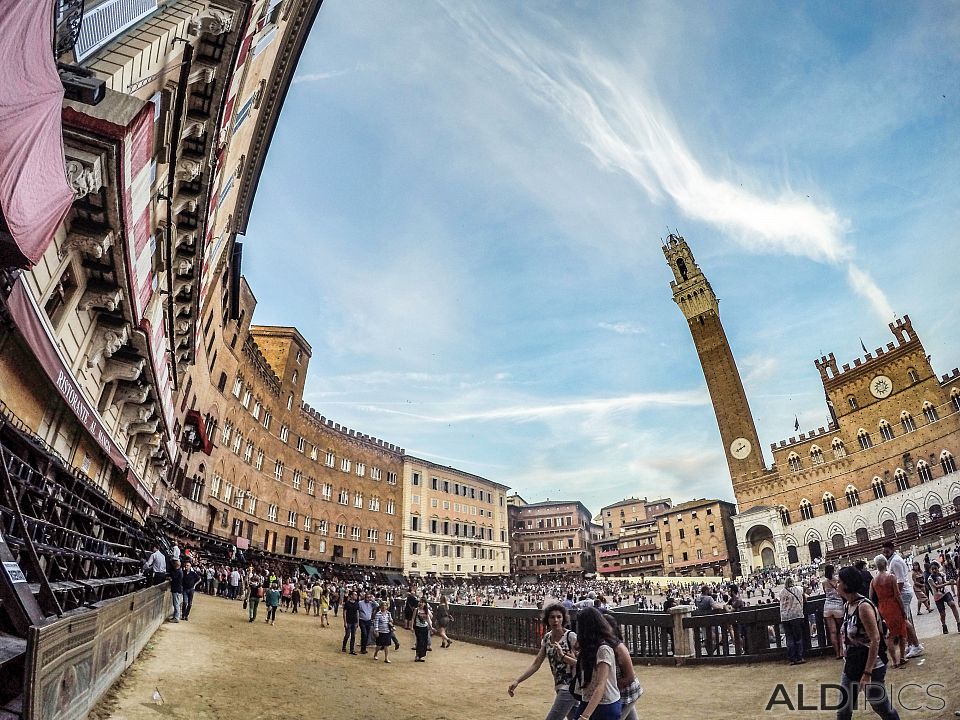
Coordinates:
595 677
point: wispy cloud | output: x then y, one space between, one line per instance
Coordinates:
628 131
865 286
317 76
623 328
587 406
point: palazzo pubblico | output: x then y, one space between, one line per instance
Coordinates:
883 467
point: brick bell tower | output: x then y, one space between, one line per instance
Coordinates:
695 298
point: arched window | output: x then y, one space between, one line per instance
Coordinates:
930 412
903 482
853 496
863 437
816 455
829 503
852 401
886 432
839 450
784 515
879 489
955 399
947 462
806 509
924 472
794 461
913 375
906 419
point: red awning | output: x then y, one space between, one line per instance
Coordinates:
34 193
193 418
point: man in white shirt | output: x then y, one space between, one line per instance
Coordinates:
234 583
175 551
898 567
155 568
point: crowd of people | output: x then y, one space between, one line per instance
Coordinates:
868 616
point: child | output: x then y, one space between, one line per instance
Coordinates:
273 602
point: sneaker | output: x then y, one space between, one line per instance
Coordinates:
387 661
352 652
914 651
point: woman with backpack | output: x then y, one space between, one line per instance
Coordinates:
865 663
595 674
557 648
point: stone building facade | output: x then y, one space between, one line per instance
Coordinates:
628 511
262 469
551 536
882 465
454 522
698 538
98 330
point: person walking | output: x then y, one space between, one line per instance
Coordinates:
324 608
254 594
898 567
316 591
557 648
833 610
890 603
865 664
422 621
191 578
367 608
351 618
920 589
627 682
409 608
234 580
272 601
176 590
383 627
793 620
595 673
942 596
441 619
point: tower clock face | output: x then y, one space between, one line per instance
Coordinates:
881 386
740 448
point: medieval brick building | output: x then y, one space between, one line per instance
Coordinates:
882 466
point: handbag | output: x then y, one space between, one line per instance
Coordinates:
244 603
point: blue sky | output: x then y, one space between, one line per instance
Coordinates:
463 207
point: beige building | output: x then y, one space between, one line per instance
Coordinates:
628 511
697 538
883 464
454 522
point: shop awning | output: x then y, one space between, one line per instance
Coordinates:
310 570
35 196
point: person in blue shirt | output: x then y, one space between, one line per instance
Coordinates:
272 601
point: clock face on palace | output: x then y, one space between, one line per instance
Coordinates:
881 386
740 448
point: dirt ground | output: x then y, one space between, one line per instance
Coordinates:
218 665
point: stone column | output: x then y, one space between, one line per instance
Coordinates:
682 638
